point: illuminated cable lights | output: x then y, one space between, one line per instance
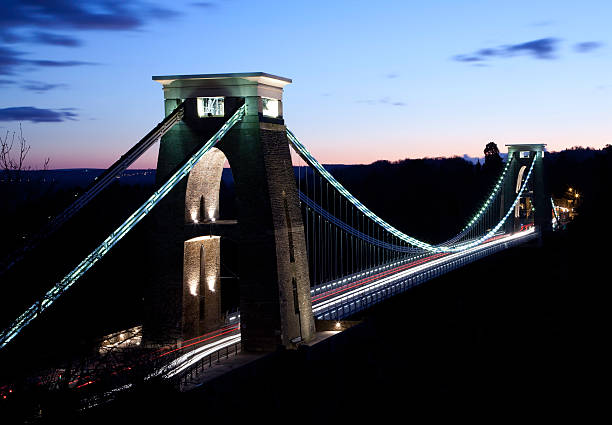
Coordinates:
486 204
54 293
351 230
556 220
307 156
503 220
310 160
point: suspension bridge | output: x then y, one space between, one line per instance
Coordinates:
309 250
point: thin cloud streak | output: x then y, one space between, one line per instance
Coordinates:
384 101
587 46
204 4
39 86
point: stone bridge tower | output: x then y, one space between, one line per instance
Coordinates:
182 300
537 200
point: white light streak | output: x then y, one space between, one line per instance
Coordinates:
363 290
188 359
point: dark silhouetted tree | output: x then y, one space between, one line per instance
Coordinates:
493 160
13 165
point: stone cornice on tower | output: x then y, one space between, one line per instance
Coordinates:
242 84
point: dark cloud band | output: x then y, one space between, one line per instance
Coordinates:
81 15
543 48
12 60
35 21
39 86
37 115
54 39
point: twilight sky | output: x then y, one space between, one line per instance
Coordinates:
371 80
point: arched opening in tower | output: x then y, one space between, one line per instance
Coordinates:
523 212
210 190
210 256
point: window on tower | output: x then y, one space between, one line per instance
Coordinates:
210 107
270 107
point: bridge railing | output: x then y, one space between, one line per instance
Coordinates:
348 279
191 374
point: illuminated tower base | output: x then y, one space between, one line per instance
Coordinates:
201 286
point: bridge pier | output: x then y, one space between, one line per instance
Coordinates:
275 300
201 289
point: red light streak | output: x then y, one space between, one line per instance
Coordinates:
86 383
391 271
206 339
203 335
379 275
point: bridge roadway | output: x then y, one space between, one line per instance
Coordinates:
341 298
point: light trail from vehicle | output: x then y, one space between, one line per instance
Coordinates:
413 270
337 295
